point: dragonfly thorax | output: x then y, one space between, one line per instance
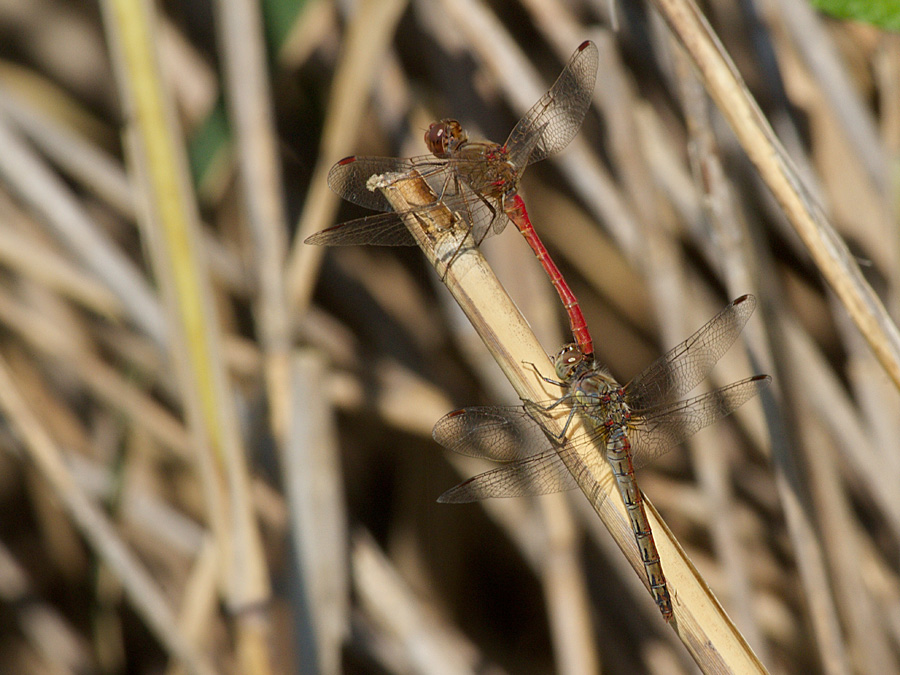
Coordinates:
602 399
593 388
489 169
484 165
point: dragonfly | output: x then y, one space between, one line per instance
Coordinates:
634 424
478 180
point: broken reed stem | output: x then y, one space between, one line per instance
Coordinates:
700 622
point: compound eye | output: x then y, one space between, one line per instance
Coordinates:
568 360
444 138
436 139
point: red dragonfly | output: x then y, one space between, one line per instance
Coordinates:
634 424
478 180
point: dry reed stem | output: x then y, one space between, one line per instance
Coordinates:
775 167
364 48
733 253
170 224
24 171
418 640
313 488
249 99
103 381
544 529
701 624
566 588
819 52
94 525
199 604
32 258
72 153
835 262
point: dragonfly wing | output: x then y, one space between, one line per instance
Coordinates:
383 229
660 429
349 178
557 116
496 433
541 474
681 369
514 436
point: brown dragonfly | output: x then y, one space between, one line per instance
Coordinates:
634 424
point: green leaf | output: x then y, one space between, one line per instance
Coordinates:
882 13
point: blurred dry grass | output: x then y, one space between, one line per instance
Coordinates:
217 450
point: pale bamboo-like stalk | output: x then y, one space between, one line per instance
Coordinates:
700 622
250 108
775 167
169 218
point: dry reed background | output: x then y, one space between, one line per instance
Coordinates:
217 450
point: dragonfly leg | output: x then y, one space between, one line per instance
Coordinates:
546 379
449 178
494 214
454 179
561 436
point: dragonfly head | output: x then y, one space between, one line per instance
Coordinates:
443 137
568 361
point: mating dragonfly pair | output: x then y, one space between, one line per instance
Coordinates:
633 424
